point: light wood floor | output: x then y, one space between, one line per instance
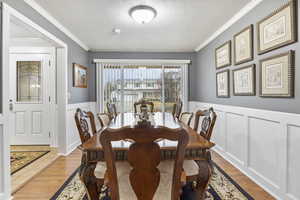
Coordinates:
46 183
21 177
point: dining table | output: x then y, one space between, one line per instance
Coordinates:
197 149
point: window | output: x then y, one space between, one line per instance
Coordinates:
126 84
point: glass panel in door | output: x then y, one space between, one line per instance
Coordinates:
112 84
29 81
142 82
172 86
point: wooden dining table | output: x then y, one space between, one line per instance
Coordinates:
198 149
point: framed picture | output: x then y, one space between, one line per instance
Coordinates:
278 29
244 81
79 76
222 84
223 55
277 75
243 45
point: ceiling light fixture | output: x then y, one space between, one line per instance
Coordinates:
142 14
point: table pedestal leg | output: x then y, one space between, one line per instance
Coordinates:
87 176
205 173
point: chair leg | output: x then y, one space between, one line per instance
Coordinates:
87 176
204 175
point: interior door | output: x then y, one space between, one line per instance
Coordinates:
29 99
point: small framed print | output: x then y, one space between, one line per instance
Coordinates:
243 46
278 29
223 55
244 81
222 84
277 75
79 76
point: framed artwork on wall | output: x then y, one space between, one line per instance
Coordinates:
243 45
244 81
278 29
79 76
223 55
222 84
277 75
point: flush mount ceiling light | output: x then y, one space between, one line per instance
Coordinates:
142 14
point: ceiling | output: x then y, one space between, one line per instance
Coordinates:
180 25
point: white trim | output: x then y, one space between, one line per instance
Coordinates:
71 148
5 183
2 197
56 23
31 50
246 9
141 61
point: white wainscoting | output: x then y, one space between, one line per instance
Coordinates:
1 159
73 139
264 145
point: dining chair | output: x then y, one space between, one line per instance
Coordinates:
186 118
83 119
208 122
177 107
112 109
143 103
144 177
104 119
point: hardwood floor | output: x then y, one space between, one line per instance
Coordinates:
247 184
22 176
46 183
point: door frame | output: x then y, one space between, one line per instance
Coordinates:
163 62
62 91
51 91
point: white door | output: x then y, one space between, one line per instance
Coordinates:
29 99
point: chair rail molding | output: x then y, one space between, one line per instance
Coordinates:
73 140
263 144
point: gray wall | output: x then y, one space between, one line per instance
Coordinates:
205 89
133 55
75 52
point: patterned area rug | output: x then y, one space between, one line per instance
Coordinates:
221 187
21 159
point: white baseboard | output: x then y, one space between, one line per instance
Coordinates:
263 144
73 139
2 197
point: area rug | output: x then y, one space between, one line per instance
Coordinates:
21 159
221 187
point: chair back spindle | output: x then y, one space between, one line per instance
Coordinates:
81 119
144 104
112 109
104 119
177 108
208 122
186 118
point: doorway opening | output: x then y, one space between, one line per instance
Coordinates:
34 108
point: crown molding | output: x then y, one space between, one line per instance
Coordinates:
56 23
246 9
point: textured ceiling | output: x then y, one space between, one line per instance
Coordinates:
180 26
